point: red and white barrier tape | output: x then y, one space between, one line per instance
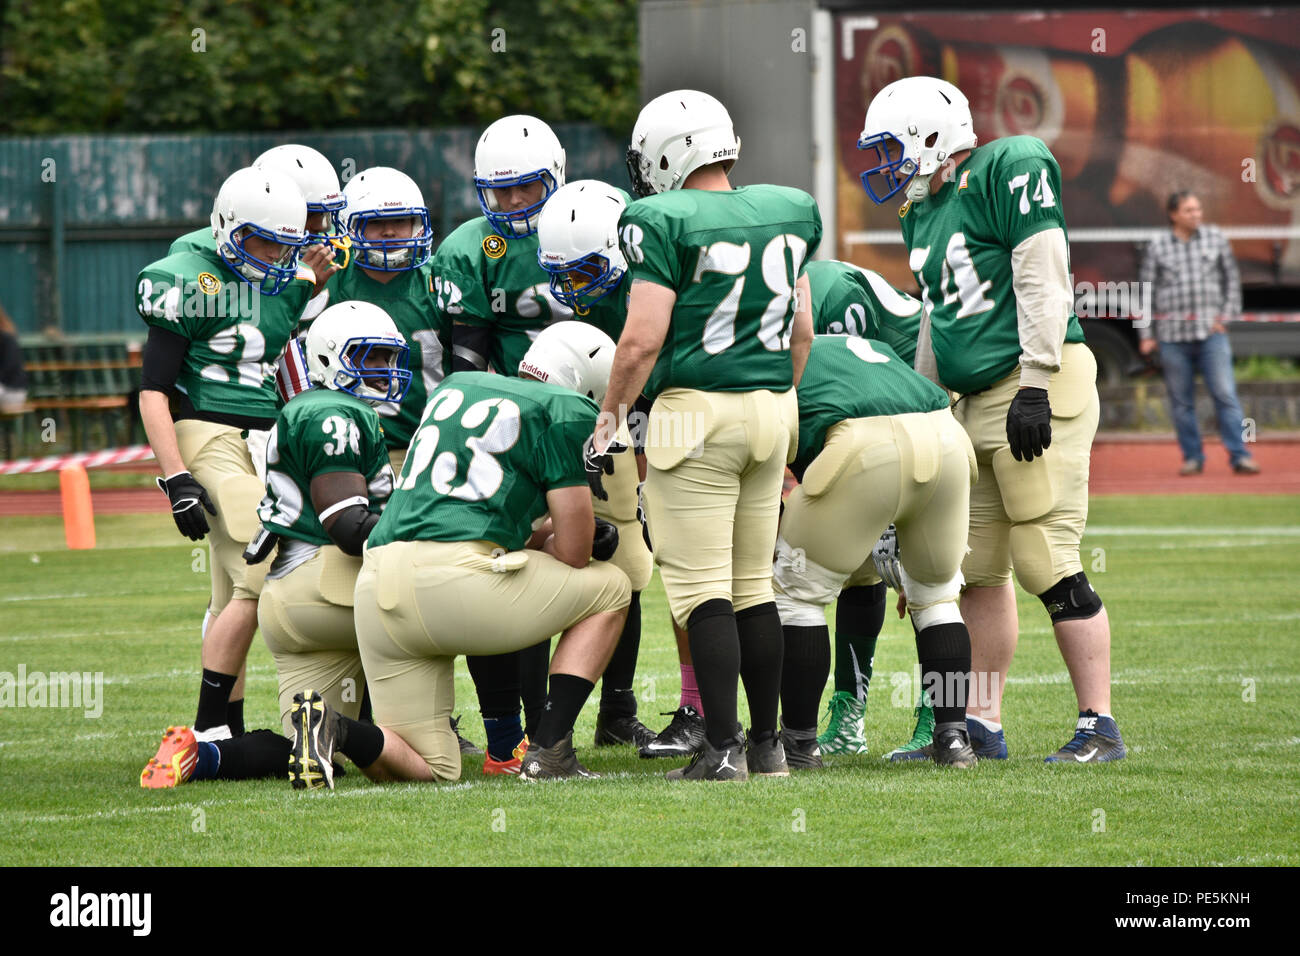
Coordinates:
89 459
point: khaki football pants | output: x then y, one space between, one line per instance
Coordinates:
306 619
713 493
914 471
419 604
632 556
1030 516
218 458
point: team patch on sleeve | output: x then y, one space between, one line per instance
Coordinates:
494 247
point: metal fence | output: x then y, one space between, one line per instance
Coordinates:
81 215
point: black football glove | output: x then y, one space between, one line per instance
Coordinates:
641 516
598 463
260 547
186 495
605 541
1029 424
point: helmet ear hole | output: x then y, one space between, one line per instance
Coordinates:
931 139
663 162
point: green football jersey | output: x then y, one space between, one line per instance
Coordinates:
848 300
732 257
236 334
488 449
851 377
485 280
409 300
959 243
318 432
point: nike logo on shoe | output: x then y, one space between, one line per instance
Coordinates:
1084 758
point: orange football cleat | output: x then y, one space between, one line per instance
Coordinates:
511 767
172 765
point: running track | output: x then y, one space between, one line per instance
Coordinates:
1121 465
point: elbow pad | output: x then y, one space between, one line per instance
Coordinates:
352 526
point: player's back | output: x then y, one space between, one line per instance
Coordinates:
487 450
732 257
850 300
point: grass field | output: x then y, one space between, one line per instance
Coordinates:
1201 592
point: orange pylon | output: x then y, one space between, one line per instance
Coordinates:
78 514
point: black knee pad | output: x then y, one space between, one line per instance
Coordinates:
1071 599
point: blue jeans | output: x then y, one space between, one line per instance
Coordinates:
1213 358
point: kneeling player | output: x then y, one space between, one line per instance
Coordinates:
327 480
446 571
877 444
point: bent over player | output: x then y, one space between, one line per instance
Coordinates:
877 444
987 242
446 570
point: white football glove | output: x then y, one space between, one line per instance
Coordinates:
885 557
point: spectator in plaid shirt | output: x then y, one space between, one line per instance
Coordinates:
1195 289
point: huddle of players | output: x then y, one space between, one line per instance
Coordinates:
482 544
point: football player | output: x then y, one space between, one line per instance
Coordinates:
387 223
877 444
324 251
987 242
495 298
327 480
217 319
447 570
717 337
849 300
577 236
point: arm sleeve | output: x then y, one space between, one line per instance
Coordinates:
161 359
1231 280
925 363
1040 278
1147 280
470 347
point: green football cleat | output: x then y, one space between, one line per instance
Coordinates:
922 736
844 735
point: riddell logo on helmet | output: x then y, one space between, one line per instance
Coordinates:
534 371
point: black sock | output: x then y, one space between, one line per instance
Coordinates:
496 681
365 714
214 698
617 695
534 667
859 616
235 717
568 693
762 646
944 653
360 742
262 753
804 670
715 649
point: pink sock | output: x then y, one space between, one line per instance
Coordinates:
690 692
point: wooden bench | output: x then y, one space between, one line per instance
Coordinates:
88 384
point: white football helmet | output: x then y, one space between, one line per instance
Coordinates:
354 347
675 135
314 176
571 354
267 204
914 125
382 192
577 242
515 151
